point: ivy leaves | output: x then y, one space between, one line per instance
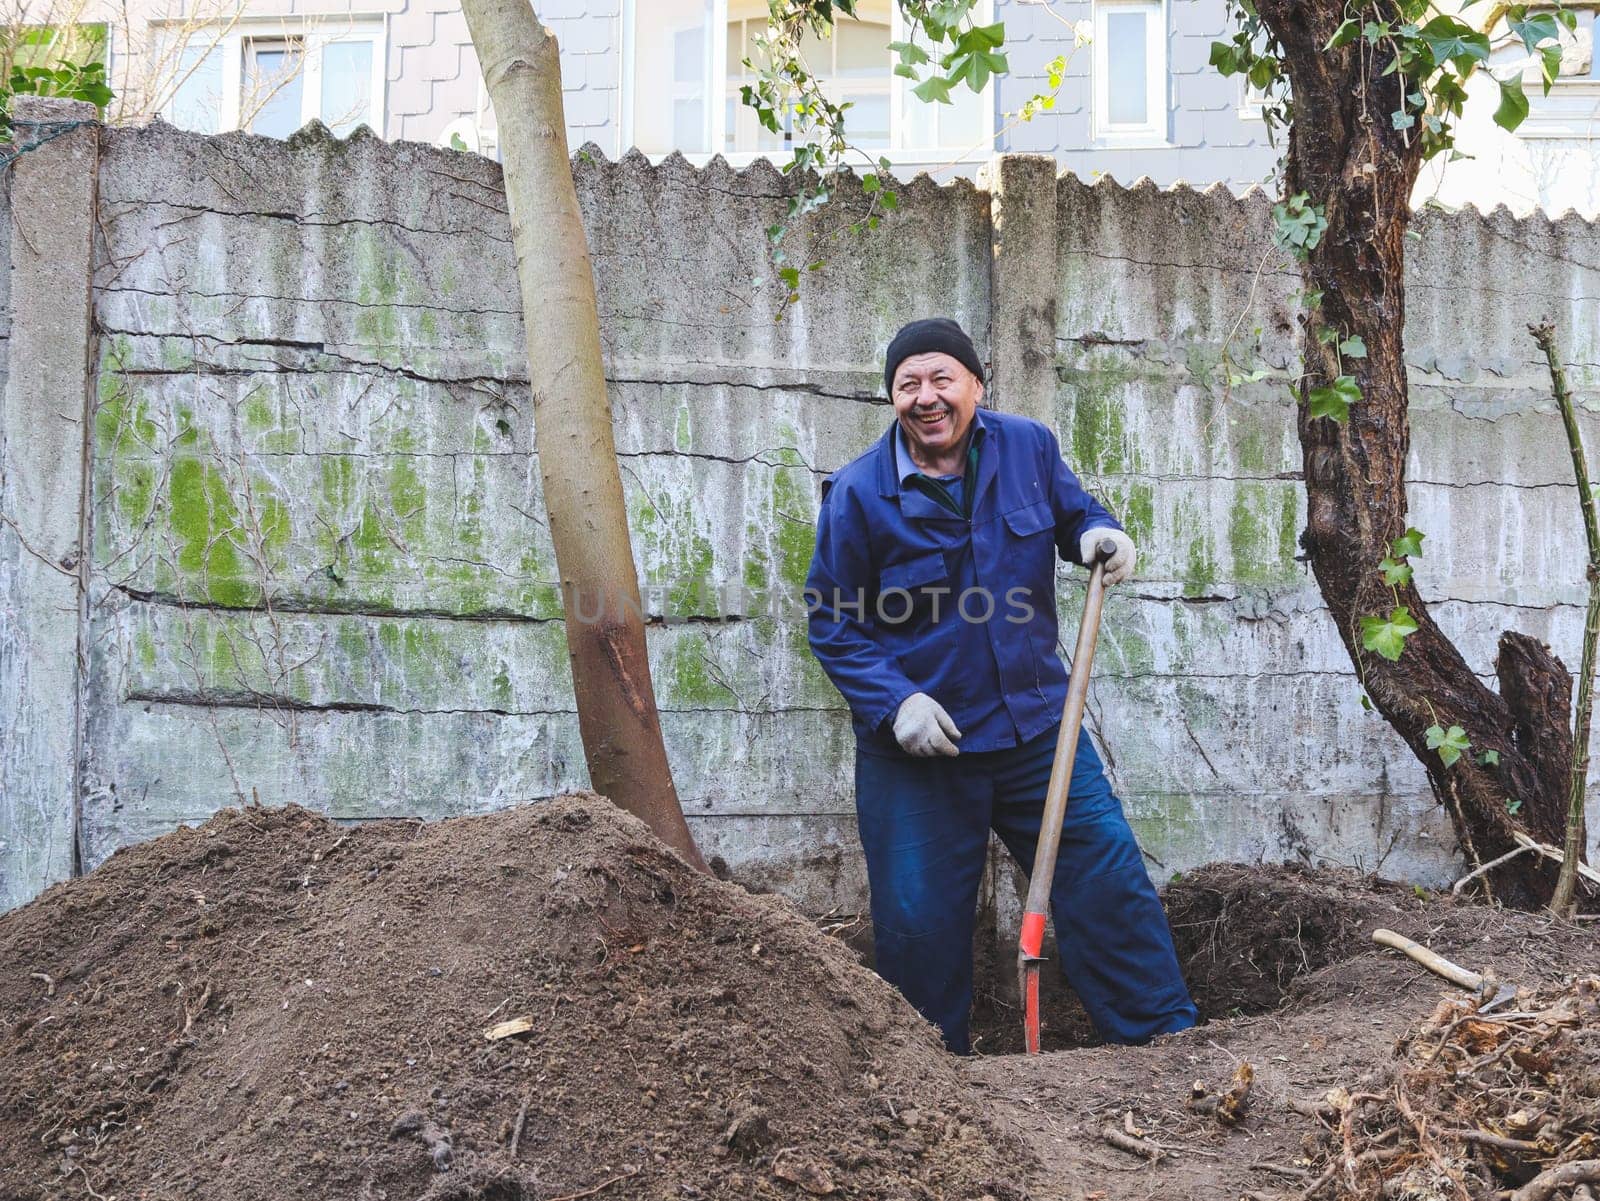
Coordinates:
945 50
1513 108
1433 55
1334 400
75 81
1386 636
1451 744
1297 225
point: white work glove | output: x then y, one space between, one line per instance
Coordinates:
922 727
1120 565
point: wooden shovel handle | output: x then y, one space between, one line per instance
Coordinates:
1432 960
1055 797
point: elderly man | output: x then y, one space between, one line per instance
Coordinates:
932 598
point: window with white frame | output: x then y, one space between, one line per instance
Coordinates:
271 77
1130 69
685 67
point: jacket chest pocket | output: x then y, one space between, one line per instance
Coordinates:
915 591
1030 520
1027 553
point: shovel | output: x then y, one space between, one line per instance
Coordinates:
1055 801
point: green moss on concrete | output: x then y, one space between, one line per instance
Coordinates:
1171 829
754 568
136 490
500 688
1100 443
177 355
689 680
1288 530
258 411
1138 513
144 645
206 522
1250 447
1131 651
338 478
408 494
188 427
1200 565
1262 531
794 534
122 421
379 282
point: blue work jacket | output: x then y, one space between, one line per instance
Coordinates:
906 596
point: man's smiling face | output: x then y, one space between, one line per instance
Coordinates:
935 398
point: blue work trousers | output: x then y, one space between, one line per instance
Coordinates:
925 829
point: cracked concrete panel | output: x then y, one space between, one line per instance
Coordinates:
1295 732
1398 836
156 396
178 763
351 533
746 415
1486 542
1474 281
165 653
357 764
1172 274
312 178
1120 410
714 297
813 860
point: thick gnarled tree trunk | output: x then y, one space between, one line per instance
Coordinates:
617 715
1345 153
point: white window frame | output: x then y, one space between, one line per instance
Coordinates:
719 93
314 34
1152 132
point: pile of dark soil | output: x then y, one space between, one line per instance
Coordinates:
270 1006
1245 934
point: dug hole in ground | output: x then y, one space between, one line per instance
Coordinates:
544 1004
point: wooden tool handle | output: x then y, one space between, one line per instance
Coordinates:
1055 798
1434 962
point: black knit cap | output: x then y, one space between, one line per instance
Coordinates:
926 336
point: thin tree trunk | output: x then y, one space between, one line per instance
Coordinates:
1345 153
617 715
1567 879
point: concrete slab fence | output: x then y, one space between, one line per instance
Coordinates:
273 527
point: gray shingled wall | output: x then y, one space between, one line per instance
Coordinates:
321 571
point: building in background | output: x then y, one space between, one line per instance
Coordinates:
1140 99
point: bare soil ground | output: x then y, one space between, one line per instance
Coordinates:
270 1006
1296 944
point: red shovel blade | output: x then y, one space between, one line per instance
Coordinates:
1030 1007
1028 962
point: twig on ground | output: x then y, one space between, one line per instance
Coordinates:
1455 889
1546 1185
1281 1170
1130 1144
516 1128
589 1192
